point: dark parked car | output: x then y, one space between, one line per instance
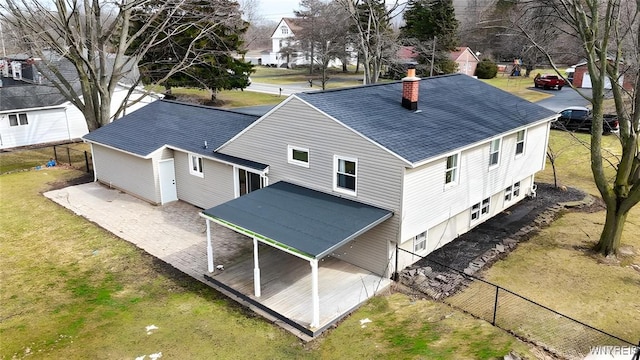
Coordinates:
578 118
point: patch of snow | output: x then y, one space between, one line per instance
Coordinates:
141 357
363 322
150 328
155 356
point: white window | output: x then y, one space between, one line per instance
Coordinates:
475 212
494 153
512 192
480 209
508 193
451 174
516 189
248 181
298 156
345 179
520 142
485 207
18 119
284 29
420 242
195 165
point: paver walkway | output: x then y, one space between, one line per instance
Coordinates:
174 233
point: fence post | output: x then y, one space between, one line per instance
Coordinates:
495 307
55 154
86 160
69 156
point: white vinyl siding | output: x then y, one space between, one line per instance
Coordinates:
379 174
427 201
41 126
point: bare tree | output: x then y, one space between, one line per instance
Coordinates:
97 38
323 30
609 32
371 20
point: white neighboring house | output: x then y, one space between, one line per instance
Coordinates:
284 36
33 111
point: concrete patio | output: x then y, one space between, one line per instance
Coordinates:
176 234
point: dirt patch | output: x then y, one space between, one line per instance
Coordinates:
61 184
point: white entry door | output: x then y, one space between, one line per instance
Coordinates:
168 190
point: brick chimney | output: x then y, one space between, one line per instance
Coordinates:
410 85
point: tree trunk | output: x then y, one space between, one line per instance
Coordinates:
612 232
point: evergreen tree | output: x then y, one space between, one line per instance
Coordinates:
209 59
426 19
429 23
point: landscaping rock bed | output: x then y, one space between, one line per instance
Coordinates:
444 271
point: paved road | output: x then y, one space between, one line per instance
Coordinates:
564 98
281 89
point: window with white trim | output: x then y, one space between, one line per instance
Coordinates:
420 242
345 174
298 156
512 192
18 119
195 165
475 212
480 209
494 153
520 135
485 207
284 30
516 189
451 173
508 192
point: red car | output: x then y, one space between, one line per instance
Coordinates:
548 82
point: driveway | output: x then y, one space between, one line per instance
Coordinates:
562 99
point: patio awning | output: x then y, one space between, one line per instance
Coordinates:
308 223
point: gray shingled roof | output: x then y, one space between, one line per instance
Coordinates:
454 111
178 125
17 95
306 221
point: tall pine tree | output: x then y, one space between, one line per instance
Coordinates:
208 58
426 20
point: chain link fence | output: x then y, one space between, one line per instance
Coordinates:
75 155
536 323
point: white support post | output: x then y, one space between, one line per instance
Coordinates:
256 269
315 296
209 248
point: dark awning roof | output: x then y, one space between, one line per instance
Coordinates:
297 219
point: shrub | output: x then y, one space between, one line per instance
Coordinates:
487 69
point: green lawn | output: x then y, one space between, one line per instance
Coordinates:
71 290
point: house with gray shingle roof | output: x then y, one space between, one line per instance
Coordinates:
33 111
337 180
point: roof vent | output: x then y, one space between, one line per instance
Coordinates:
205 144
410 85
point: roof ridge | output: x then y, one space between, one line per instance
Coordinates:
207 107
315 92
